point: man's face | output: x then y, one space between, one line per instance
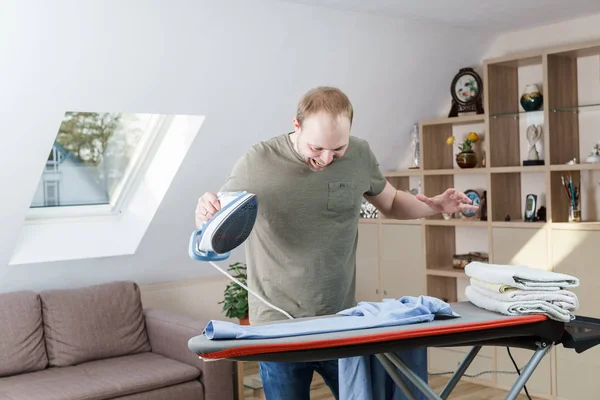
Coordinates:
322 139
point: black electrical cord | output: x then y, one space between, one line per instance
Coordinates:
518 372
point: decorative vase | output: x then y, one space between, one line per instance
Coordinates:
466 159
532 99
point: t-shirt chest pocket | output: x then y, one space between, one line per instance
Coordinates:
340 196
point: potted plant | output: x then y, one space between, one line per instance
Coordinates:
235 297
466 158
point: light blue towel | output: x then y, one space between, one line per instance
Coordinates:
390 312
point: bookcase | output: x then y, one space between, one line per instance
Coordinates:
569 79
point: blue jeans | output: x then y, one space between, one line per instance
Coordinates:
291 381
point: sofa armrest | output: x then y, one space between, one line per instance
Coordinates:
169 334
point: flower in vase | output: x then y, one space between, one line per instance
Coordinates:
467 144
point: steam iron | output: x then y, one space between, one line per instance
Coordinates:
227 229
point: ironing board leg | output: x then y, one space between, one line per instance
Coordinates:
458 374
536 358
389 367
415 379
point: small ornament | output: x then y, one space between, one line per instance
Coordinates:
483 216
532 99
534 133
572 162
594 156
466 90
368 210
416 156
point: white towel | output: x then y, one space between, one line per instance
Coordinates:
478 297
495 287
561 298
520 276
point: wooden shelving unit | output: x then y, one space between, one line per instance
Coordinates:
569 80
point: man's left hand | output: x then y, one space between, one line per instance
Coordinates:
448 202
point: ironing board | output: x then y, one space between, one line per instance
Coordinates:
476 328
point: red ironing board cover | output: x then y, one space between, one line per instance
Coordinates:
472 319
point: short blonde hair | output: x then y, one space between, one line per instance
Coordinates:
324 98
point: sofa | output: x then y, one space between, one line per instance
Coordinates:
98 342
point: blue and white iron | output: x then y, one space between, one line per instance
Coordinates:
227 229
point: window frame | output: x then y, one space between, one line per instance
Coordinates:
144 153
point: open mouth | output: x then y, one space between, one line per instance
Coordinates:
317 164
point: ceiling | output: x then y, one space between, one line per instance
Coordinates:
485 15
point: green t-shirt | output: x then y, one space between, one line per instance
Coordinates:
301 254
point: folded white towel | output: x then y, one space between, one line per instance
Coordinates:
495 287
520 276
477 296
561 298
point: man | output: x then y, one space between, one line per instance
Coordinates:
302 251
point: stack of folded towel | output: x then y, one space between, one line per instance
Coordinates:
521 290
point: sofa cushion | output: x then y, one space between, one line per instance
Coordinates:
93 322
191 390
99 380
22 347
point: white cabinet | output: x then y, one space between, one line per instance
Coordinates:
389 261
367 262
401 262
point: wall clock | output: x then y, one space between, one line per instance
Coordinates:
466 90
474 196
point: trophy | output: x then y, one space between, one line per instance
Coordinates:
594 156
534 133
416 156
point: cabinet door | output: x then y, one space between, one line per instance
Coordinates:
367 262
576 253
402 268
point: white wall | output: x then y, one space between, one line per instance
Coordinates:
573 31
242 64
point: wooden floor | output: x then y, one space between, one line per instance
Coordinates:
463 391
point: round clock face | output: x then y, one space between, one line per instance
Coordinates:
475 198
466 88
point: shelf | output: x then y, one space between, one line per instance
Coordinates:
455 171
576 226
368 220
575 167
463 119
519 169
519 224
517 114
456 222
577 108
517 60
391 221
402 173
448 272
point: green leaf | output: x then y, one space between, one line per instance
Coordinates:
235 298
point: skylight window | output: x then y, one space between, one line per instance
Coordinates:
101 184
93 162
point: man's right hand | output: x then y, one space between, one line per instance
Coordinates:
208 205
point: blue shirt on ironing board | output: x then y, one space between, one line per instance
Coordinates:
360 378
389 312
